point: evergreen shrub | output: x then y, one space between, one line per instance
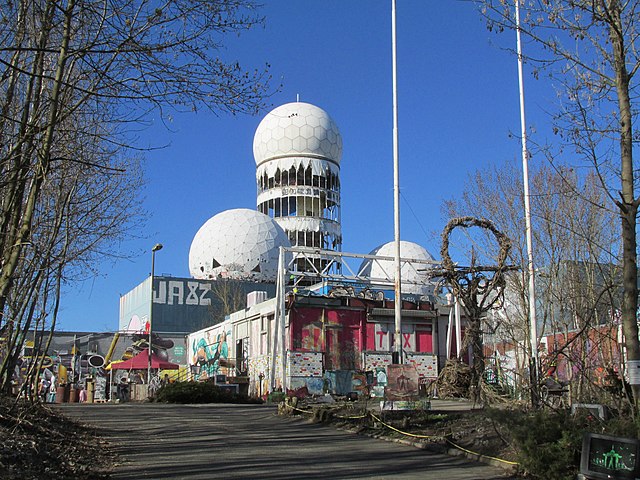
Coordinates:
199 392
548 442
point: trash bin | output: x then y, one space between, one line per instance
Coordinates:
60 394
73 395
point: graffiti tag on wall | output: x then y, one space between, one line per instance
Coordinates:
178 292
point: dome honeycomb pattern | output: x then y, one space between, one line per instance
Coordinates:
239 244
414 279
297 129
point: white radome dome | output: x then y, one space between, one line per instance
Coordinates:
414 281
239 244
297 129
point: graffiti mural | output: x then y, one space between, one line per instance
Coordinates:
425 365
210 355
415 338
307 364
309 385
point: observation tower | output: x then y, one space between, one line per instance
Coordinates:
297 149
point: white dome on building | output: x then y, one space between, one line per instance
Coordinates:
414 279
239 244
297 129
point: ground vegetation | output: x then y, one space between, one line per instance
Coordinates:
542 444
37 443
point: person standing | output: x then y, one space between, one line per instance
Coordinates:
123 389
52 390
43 389
82 396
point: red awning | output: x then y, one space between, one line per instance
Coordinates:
141 362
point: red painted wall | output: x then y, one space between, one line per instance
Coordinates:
337 333
342 334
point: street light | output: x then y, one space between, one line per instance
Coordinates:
156 247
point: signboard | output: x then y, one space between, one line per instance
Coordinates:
179 304
402 383
178 351
633 372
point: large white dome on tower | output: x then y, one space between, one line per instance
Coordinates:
414 279
239 244
297 129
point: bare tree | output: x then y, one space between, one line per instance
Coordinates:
573 237
588 50
479 286
74 77
229 296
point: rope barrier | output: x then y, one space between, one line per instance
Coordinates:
299 409
342 417
486 456
405 433
414 435
356 417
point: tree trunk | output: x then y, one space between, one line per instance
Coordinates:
628 205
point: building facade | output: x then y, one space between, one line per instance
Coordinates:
326 345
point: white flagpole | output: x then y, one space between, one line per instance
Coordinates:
396 193
527 207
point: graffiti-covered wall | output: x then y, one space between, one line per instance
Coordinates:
181 304
325 346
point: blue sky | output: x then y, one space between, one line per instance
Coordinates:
458 103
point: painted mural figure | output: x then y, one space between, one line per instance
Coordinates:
402 383
208 357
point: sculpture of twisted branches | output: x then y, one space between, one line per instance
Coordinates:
475 286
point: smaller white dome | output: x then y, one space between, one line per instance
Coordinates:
297 129
414 279
239 244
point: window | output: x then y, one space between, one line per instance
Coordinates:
307 176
